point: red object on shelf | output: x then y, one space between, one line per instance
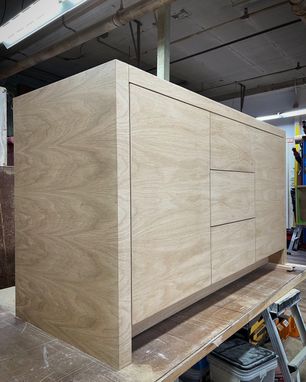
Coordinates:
278 375
10 151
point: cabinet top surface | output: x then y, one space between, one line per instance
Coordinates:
151 82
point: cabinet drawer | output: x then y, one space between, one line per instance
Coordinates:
231 145
232 248
232 196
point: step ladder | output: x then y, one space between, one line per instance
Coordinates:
294 242
290 370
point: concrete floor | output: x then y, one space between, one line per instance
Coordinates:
7 299
299 257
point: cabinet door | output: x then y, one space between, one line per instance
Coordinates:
170 201
269 193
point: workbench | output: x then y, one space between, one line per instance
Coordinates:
161 353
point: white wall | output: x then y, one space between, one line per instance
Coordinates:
276 102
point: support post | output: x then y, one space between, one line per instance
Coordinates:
3 127
136 43
163 42
242 96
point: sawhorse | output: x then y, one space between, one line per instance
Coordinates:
290 370
295 239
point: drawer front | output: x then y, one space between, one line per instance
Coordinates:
232 248
231 145
232 196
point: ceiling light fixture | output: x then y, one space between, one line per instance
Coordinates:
33 18
287 114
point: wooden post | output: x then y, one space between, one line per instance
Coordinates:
163 42
3 128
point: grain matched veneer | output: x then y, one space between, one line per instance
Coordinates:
134 199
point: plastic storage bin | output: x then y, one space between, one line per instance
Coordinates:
197 373
237 360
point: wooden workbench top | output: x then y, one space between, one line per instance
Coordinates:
162 353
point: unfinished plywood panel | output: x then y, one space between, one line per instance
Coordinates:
7 228
269 193
232 196
232 248
72 211
170 201
231 145
148 81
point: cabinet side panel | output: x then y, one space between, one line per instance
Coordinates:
124 214
269 194
170 202
66 211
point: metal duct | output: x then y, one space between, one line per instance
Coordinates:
120 18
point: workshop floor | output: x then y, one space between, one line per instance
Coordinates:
299 257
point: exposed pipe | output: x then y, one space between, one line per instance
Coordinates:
297 67
299 8
231 42
120 18
213 27
261 89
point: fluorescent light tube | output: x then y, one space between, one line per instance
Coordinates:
33 18
293 113
287 114
269 117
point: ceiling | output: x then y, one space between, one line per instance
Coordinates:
271 52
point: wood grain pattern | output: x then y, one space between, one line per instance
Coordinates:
115 198
269 194
231 145
232 196
160 354
170 201
124 278
7 228
72 215
149 81
188 301
232 248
